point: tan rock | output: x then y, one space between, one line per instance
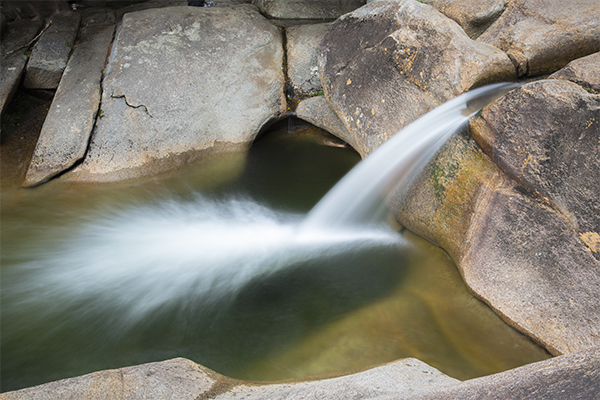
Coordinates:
387 63
542 36
584 71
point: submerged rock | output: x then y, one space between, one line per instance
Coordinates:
50 54
182 82
542 36
388 63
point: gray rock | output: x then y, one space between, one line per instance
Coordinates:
182 379
302 57
474 16
307 9
571 377
14 57
50 54
545 136
584 71
387 63
177 379
66 132
542 36
212 77
407 376
317 111
98 15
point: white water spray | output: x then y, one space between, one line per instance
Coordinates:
204 251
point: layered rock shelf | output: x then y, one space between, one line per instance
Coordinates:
513 197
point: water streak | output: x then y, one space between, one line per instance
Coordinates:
360 197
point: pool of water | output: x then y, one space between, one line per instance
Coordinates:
204 263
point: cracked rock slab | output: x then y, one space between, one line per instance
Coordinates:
183 82
302 57
50 54
66 132
542 36
14 56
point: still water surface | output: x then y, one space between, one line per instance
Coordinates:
204 264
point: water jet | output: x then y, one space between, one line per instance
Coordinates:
224 276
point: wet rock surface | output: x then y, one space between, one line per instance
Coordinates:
212 79
50 54
388 63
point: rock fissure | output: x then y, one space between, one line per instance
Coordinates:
122 96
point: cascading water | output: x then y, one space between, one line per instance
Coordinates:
189 261
359 199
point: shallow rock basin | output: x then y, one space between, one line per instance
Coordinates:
197 264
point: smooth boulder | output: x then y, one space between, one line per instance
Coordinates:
520 219
387 63
584 71
211 78
307 9
542 36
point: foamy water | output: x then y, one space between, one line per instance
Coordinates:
142 258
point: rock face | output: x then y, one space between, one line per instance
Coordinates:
177 379
546 137
583 71
317 111
542 36
522 229
13 60
388 63
50 54
473 16
302 54
307 9
182 379
574 376
212 79
68 126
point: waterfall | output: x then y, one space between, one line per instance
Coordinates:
360 197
